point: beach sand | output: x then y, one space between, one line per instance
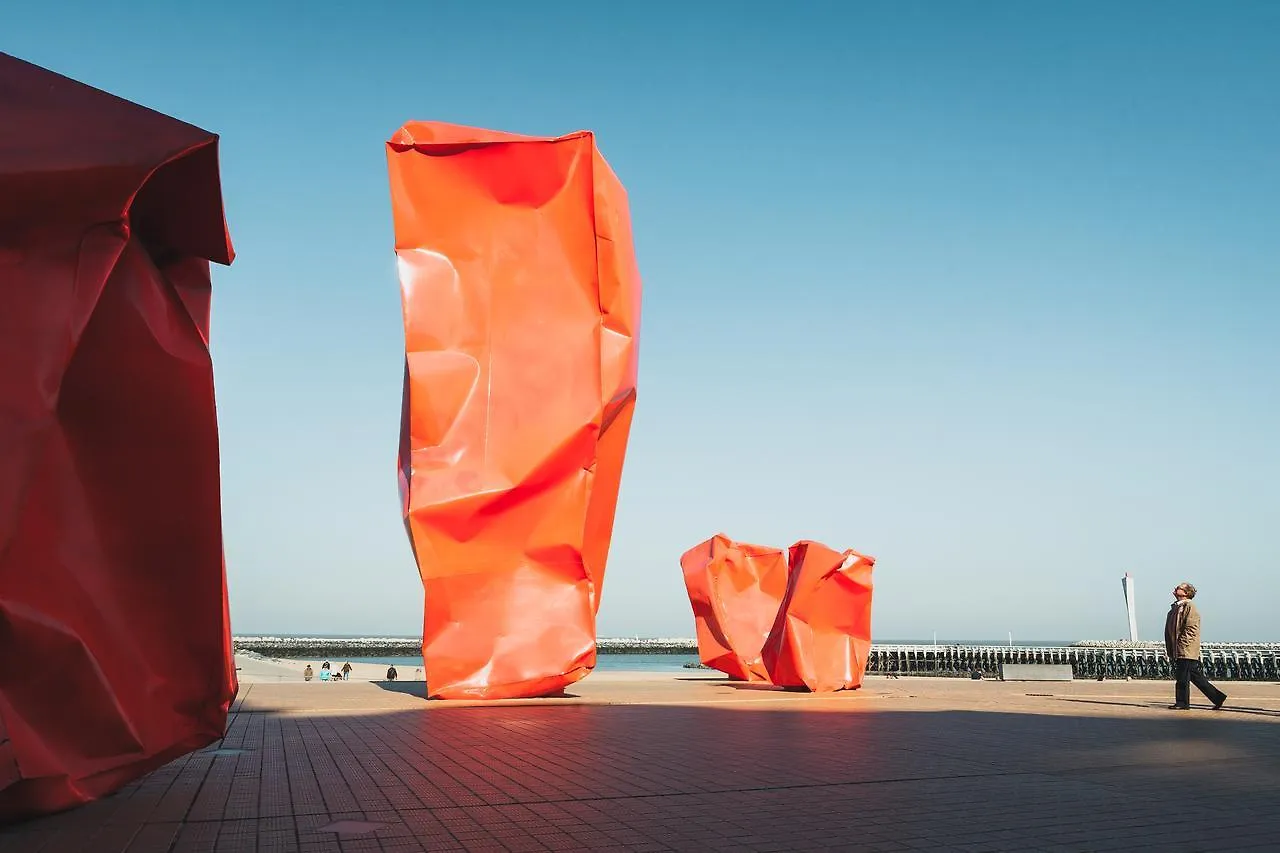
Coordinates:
255 670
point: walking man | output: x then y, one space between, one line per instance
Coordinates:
1182 642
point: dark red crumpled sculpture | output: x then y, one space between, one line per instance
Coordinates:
521 309
113 601
822 635
735 589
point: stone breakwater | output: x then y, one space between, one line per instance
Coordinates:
364 647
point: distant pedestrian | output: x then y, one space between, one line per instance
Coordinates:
1182 643
308 673
346 671
391 673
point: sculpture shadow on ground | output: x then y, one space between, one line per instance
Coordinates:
419 689
579 776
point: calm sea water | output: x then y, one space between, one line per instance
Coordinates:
621 663
666 663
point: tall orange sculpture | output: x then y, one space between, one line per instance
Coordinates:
822 635
113 600
521 306
735 590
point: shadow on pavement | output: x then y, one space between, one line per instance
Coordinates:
746 775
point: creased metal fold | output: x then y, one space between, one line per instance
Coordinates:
113 600
521 302
735 589
802 620
822 636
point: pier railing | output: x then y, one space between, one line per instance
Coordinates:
1226 662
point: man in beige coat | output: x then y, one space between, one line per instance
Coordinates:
1182 642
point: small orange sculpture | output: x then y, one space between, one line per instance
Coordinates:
735 590
113 598
521 306
822 635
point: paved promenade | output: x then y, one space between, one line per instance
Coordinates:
647 762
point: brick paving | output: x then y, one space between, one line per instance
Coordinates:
659 762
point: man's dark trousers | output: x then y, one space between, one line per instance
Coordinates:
1190 672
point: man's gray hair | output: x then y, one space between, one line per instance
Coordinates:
1189 589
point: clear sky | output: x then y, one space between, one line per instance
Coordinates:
988 290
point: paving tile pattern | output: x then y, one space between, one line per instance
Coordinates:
742 777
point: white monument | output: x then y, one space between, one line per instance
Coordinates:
1132 603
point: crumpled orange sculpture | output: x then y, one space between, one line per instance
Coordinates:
521 306
822 635
735 589
113 601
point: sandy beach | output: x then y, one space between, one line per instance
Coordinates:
258 670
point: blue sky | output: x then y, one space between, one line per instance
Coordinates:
988 290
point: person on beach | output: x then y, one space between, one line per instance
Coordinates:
391 673
308 673
346 671
1182 643
325 665
324 674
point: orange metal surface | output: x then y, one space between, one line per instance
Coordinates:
822 635
113 603
521 306
735 590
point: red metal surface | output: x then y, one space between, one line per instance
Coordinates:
735 589
822 635
113 607
521 307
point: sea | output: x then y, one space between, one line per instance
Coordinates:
604 662
667 663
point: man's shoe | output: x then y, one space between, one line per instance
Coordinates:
1217 706
1179 707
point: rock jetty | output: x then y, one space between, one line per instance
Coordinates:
316 647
